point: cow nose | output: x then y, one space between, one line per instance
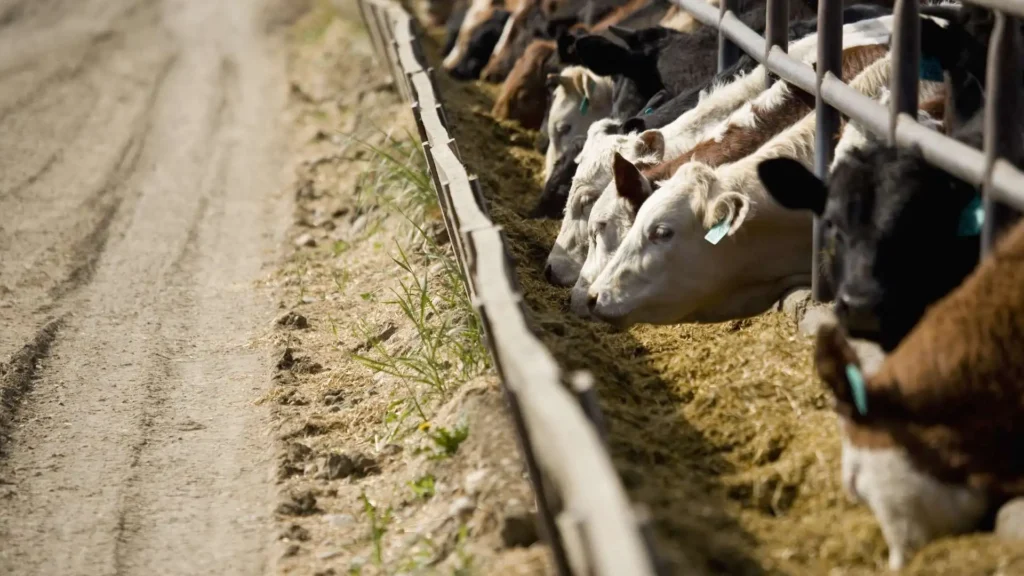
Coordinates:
859 313
549 273
591 301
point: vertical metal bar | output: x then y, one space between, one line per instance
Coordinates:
728 53
906 51
777 30
1002 119
830 60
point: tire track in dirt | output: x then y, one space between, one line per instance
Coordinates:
137 449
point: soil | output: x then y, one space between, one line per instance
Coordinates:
140 197
179 389
720 429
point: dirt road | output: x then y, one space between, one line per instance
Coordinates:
139 202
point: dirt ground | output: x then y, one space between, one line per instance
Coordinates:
722 430
184 387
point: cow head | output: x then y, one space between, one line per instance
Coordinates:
578 100
592 176
523 96
611 218
893 234
477 37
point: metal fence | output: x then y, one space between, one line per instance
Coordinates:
585 515
1002 184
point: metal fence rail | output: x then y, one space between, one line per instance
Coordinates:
1001 182
586 517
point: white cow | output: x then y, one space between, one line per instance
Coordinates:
711 244
580 99
595 161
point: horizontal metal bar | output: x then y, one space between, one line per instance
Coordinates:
950 155
1013 7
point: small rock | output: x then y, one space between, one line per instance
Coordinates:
385 333
337 466
293 320
333 397
285 378
305 240
474 481
461 508
301 503
327 555
285 360
296 533
391 450
518 529
290 550
339 520
814 318
358 225
327 571
292 398
311 469
1010 520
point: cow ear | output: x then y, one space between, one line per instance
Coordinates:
603 56
652 143
833 359
625 34
629 182
792 185
728 212
567 49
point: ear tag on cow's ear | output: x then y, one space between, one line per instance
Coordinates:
857 389
930 69
718 231
972 218
648 111
585 105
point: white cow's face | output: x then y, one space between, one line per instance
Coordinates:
592 177
568 117
610 221
665 270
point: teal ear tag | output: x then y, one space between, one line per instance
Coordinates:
648 111
718 231
584 105
860 394
930 69
972 218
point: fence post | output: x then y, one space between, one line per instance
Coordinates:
1002 120
728 53
906 58
830 60
777 30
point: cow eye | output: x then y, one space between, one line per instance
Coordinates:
562 129
660 233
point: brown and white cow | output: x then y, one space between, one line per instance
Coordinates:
933 440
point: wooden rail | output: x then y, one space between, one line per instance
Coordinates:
586 517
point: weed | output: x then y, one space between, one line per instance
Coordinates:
340 247
465 559
447 442
379 522
423 487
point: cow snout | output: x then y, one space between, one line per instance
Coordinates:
859 313
549 274
591 301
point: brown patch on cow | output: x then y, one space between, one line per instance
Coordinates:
628 182
952 393
618 15
495 69
739 141
936 108
524 95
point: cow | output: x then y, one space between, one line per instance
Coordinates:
931 440
580 97
519 95
479 32
742 133
709 245
595 162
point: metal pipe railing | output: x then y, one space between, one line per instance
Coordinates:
906 57
728 53
1002 120
776 31
826 128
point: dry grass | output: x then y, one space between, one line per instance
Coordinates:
720 429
